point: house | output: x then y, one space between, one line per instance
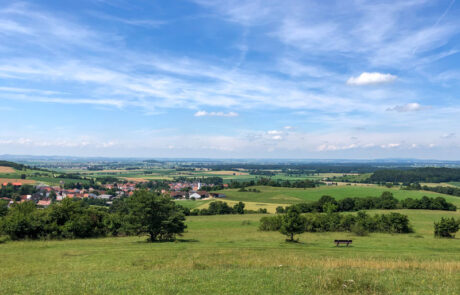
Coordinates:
44 203
195 196
105 197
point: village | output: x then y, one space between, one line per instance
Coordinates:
44 195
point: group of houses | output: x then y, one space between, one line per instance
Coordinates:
45 195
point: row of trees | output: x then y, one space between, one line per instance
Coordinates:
275 183
385 201
293 222
448 190
143 213
222 208
428 174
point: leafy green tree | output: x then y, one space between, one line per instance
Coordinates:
292 223
446 228
279 209
239 208
23 221
155 215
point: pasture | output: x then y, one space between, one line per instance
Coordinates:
227 255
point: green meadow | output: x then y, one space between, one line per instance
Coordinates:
226 254
281 195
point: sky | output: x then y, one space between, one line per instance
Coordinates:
231 79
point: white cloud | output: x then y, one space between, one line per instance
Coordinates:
215 114
390 145
410 107
371 78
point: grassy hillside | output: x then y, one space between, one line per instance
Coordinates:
227 255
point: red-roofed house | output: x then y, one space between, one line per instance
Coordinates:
44 203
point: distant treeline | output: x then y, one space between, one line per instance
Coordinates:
305 168
448 190
13 165
429 174
360 224
262 172
275 183
221 208
385 201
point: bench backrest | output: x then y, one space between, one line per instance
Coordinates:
343 241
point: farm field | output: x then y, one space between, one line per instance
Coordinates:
281 195
4 169
227 255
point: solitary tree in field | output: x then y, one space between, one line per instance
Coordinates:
155 215
292 223
239 208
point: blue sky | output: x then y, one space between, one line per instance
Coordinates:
230 79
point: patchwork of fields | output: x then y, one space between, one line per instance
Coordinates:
227 255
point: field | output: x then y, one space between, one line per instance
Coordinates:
4 169
12 180
285 196
227 255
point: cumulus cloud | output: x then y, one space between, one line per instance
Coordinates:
410 107
371 78
215 114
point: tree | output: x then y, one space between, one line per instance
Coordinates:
279 209
155 215
23 221
239 208
446 228
292 223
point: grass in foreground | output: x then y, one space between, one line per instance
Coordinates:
227 255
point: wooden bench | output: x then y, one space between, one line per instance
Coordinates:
338 242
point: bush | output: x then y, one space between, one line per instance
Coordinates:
270 223
446 228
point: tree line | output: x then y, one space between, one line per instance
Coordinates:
222 208
427 174
447 190
385 201
145 213
293 222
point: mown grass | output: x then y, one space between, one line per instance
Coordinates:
227 255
